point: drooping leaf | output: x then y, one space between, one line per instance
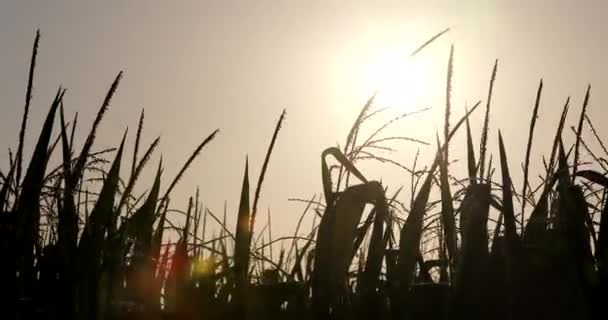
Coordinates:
326 175
335 241
373 264
594 177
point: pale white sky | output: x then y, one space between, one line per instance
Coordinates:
234 65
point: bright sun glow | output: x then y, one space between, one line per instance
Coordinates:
400 81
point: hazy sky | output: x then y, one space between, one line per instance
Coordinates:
234 65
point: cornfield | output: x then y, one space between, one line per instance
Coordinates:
78 243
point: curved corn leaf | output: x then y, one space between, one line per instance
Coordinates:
326 175
375 255
594 177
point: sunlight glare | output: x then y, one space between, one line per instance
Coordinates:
400 81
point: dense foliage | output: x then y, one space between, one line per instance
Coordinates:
72 253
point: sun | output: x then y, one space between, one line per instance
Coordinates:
399 80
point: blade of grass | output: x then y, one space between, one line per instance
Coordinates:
28 98
137 139
448 102
242 241
194 155
486 123
578 133
529 150
79 167
428 42
258 189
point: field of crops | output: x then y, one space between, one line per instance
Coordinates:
78 243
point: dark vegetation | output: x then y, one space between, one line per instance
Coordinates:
70 252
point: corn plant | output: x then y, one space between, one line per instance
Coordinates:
79 242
